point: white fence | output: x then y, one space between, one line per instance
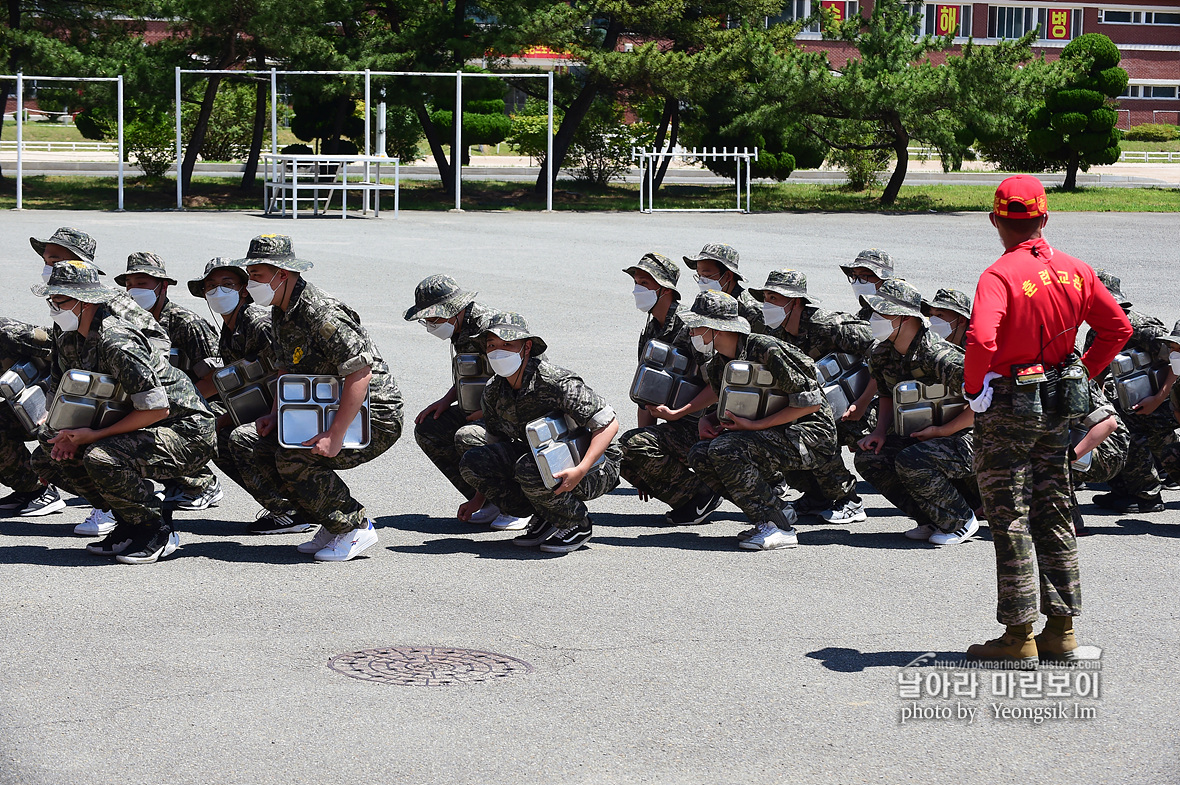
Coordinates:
1149 157
64 147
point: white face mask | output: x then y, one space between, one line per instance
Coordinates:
441 330
708 284
46 271
864 289
262 293
940 327
698 343
773 315
66 319
223 300
1174 359
144 298
504 363
882 328
645 299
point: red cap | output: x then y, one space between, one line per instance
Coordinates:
1020 196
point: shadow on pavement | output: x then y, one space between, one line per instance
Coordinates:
853 661
484 549
53 557
36 527
231 551
681 540
425 524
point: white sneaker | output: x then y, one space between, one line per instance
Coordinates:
509 523
485 514
348 545
923 532
316 544
965 531
770 537
99 523
848 512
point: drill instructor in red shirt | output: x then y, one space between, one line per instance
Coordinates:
1028 308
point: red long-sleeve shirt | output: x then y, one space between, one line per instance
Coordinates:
1036 295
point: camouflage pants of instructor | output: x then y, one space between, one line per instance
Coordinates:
506 474
741 465
113 473
1151 436
655 461
446 439
1021 463
308 481
16 469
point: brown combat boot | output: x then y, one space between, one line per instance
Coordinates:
1057 641
1016 644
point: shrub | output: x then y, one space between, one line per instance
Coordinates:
152 142
1152 132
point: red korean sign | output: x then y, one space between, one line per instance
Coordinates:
946 20
1059 23
836 7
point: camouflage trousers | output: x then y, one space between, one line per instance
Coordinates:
266 496
1170 460
113 473
741 465
655 461
1022 466
446 439
930 472
831 479
307 482
202 480
16 469
1151 436
506 474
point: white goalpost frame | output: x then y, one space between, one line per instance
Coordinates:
456 148
20 78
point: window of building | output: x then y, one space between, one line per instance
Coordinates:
947 19
1055 24
1150 91
1119 16
798 10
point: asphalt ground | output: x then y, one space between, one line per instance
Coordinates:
659 654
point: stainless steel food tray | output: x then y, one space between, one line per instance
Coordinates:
557 443
85 399
23 386
844 378
1137 376
747 391
247 388
307 406
470 373
666 376
917 406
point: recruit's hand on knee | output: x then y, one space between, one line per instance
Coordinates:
266 423
708 428
67 443
434 410
872 443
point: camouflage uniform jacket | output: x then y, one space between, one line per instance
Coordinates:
319 335
794 375
749 309
824 332
930 360
544 389
193 338
121 350
121 306
671 332
250 337
21 341
475 321
1103 409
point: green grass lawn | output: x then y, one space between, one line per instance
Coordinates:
91 193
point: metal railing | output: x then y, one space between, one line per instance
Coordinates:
72 147
647 160
1149 157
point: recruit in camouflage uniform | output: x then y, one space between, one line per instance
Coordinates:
505 472
18 342
1107 459
818 334
655 457
445 435
112 472
1170 459
317 335
194 352
876 261
741 464
726 257
917 476
1137 488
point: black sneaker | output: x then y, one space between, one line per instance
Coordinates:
18 499
150 545
48 501
568 539
116 542
1117 502
810 504
269 522
696 511
537 532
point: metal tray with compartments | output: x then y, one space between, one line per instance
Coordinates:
307 406
23 385
666 376
747 390
917 406
557 443
844 378
86 399
471 373
247 388
1082 464
1137 376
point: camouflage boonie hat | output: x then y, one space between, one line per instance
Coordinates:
196 287
275 250
660 267
724 255
951 300
509 326
146 263
788 283
894 298
717 311
71 239
438 297
78 280
1173 337
1114 286
874 259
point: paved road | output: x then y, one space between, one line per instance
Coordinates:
660 654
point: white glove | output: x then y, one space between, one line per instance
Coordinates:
980 402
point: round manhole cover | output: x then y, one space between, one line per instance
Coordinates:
426 666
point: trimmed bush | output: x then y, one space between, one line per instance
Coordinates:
1095 45
1069 122
1152 132
1102 119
